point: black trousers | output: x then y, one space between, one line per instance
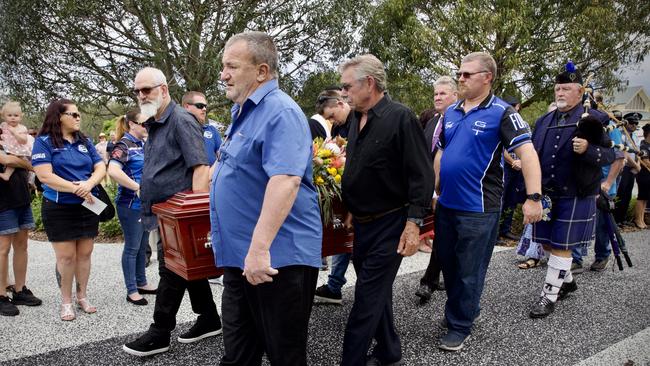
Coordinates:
624 194
169 296
271 318
376 262
431 276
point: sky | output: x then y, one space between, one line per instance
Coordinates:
638 74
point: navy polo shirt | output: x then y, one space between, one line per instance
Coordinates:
73 162
128 153
212 141
268 136
471 174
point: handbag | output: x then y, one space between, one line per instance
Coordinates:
109 211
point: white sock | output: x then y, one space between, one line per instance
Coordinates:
569 276
558 269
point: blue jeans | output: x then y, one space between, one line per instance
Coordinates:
136 240
336 278
602 246
465 244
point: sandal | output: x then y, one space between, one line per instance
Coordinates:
529 263
86 306
67 313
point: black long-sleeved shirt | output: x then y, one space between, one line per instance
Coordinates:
387 164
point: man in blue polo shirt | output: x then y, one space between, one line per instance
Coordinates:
196 103
468 162
266 227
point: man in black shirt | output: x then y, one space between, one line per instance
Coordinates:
387 186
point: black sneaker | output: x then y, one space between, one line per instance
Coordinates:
542 308
147 345
566 289
25 297
7 308
374 361
424 292
599 265
325 295
199 331
577 268
452 342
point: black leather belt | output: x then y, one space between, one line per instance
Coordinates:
369 218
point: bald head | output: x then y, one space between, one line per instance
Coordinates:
151 74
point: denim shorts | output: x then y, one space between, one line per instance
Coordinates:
16 219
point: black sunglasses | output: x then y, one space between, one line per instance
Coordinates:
200 105
467 75
72 114
145 90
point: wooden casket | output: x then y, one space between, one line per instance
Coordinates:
184 222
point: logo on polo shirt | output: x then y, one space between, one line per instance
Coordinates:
38 156
207 134
478 127
83 149
449 125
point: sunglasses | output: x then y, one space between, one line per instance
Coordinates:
200 105
145 90
468 75
72 114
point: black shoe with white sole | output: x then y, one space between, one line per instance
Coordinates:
147 345
200 330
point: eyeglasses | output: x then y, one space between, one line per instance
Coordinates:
200 105
72 114
467 75
145 90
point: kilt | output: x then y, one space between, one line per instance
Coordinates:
572 225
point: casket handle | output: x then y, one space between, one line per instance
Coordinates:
208 244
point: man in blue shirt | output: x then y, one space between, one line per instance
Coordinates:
266 227
196 103
602 246
468 162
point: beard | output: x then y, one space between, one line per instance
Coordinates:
150 108
561 104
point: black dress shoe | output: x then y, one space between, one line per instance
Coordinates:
143 291
142 301
424 293
542 308
566 289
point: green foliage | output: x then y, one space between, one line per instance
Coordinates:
315 83
534 111
37 202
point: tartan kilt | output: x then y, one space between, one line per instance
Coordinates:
572 224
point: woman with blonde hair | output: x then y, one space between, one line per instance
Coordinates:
125 167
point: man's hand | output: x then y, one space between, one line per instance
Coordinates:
410 240
604 186
257 267
580 145
516 165
532 211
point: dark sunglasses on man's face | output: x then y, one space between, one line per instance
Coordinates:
200 105
72 114
467 75
145 90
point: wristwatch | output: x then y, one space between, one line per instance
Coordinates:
535 197
416 221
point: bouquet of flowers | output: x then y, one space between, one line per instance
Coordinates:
328 164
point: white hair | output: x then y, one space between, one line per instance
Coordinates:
446 80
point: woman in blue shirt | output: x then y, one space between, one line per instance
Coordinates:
125 167
69 168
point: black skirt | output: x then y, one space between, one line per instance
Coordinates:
643 182
67 222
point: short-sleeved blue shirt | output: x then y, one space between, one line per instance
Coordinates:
212 141
128 153
471 174
268 136
616 137
73 162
